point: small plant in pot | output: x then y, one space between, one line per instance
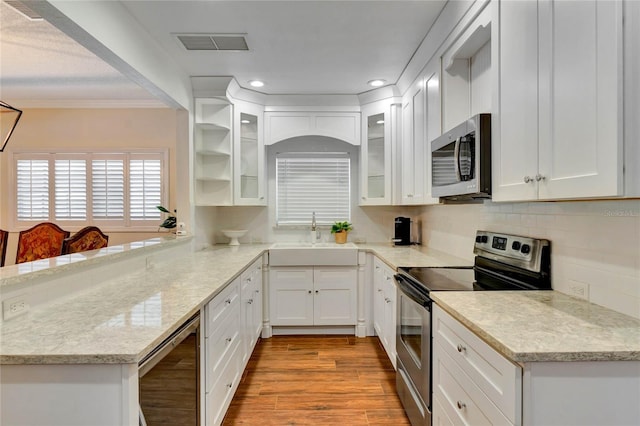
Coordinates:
170 221
340 231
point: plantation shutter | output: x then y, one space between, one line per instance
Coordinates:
70 189
107 188
308 183
145 191
32 177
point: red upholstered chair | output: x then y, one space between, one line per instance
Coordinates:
88 238
40 242
4 236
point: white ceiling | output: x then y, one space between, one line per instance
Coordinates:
296 47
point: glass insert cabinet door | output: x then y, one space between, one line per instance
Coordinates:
375 156
375 174
249 156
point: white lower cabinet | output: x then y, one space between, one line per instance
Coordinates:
472 382
312 295
475 385
384 307
233 322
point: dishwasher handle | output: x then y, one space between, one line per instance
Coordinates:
163 349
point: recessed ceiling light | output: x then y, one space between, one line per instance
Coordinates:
376 83
245 121
380 122
256 83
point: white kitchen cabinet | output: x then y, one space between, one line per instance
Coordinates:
224 351
559 100
473 383
251 301
384 307
421 122
249 179
213 166
281 125
311 296
378 122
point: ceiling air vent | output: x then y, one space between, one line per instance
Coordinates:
23 10
213 41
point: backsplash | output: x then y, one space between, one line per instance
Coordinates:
595 244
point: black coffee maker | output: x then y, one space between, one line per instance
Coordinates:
403 231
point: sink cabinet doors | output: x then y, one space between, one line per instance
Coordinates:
559 100
311 296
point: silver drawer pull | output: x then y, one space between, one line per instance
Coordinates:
250 301
257 291
229 339
386 299
461 405
461 348
228 301
229 385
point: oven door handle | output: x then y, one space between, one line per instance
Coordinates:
409 290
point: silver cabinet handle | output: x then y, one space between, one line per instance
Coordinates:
229 339
380 290
527 179
250 301
309 291
228 301
386 299
539 177
461 348
461 405
257 291
229 385
317 291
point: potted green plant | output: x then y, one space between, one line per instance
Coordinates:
340 231
170 221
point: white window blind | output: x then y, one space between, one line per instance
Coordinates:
312 183
70 189
107 188
145 191
32 187
116 190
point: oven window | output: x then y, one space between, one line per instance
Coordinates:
411 328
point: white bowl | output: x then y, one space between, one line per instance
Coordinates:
234 234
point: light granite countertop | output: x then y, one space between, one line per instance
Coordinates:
122 319
415 256
535 326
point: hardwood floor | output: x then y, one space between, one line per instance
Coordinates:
317 380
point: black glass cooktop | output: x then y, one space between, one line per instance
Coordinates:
442 279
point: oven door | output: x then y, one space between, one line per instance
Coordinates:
413 347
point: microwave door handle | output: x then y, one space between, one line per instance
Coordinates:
456 159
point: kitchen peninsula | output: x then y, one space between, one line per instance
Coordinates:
96 336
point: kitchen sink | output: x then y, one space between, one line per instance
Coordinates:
321 254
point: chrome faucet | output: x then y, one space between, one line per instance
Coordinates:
313 221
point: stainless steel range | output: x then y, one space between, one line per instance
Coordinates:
502 262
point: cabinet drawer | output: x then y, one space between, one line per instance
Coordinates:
222 304
222 343
496 376
219 397
461 400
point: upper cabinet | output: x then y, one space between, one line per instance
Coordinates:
558 132
378 121
249 162
421 122
213 152
339 125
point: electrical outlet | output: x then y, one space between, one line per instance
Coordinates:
15 306
578 289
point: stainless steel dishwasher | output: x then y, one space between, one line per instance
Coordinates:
169 379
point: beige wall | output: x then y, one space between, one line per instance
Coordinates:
86 129
594 244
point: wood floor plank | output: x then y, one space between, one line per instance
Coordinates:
317 380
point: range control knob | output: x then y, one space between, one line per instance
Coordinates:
526 248
484 239
516 245
478 239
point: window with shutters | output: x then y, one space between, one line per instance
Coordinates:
109 190
308 183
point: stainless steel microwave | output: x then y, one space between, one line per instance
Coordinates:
461 161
